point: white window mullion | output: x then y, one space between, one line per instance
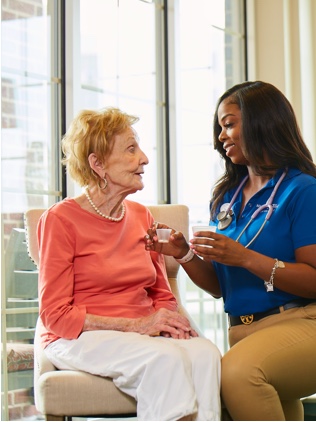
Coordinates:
161 104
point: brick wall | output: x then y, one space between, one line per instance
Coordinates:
16 9
10 221
21 405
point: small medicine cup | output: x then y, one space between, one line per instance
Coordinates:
163 235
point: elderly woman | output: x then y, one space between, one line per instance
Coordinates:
105 303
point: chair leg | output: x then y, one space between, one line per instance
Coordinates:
55 418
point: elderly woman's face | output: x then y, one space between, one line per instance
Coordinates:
125 165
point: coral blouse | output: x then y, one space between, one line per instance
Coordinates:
89 264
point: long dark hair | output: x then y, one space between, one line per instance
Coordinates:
271 137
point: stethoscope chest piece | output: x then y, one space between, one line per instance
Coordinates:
224 217
224 221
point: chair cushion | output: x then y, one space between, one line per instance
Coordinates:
79 393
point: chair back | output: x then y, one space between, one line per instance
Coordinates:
175 216
31 218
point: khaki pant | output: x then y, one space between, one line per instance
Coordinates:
270 366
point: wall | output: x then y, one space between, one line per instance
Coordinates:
282 51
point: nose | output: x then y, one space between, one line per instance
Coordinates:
144 159
222 135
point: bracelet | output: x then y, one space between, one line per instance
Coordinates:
188 257
269 284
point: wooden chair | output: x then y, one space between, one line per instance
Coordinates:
60 394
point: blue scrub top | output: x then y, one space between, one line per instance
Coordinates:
291 226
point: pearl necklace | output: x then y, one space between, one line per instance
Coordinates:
101 213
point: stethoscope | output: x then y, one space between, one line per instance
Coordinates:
224 217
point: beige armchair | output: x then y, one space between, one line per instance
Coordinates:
59 394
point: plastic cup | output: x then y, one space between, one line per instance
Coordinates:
198 228
203 229
163 235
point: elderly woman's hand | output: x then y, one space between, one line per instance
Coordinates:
166 323
176 247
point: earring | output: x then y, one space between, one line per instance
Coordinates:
105 184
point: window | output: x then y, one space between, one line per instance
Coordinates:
120 61
31 174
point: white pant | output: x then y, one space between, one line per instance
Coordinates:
169 378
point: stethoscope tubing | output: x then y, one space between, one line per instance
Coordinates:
268 204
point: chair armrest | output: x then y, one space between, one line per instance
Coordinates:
41 362
175 290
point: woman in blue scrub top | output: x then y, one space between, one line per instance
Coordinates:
263 256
